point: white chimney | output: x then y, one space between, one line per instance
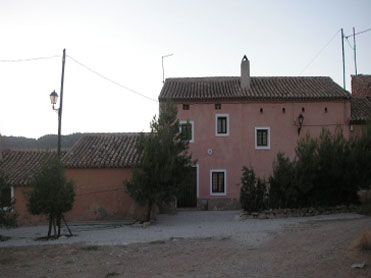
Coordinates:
245 73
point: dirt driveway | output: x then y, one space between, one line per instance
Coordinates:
313 248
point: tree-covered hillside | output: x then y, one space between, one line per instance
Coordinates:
44 142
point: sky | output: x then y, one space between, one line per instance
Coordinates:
124 41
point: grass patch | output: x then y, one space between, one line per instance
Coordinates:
363 243
89 248
111 274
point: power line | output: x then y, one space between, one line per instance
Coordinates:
110 80
28 59
358 33
319 52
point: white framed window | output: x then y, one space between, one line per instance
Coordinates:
222 125
186 129
218 182
262 138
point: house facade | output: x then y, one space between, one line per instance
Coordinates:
245 121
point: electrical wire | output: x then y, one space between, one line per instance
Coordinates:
110 80
358 33
28 59
350 45
319 52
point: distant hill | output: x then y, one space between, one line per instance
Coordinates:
44 142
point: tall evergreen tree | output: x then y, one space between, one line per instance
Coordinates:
165 165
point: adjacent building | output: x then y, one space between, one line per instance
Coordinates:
98 163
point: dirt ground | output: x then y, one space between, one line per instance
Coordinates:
311 249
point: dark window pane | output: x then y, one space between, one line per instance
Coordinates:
262 137
186 131
218 182
222 125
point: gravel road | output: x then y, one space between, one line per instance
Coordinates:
184 224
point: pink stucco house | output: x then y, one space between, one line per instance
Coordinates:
246 120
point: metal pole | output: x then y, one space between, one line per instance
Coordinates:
342 50
163 70
61 105
354 50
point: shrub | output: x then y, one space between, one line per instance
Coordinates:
253 195
324 172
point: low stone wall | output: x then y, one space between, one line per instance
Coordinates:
302 212
218 204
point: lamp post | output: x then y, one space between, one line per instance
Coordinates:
53 100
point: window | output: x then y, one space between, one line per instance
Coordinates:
218 106
186 130
185 106
222 125
218 182
262 138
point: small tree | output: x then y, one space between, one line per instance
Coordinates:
283 192
253 191
51 195
8 218
165 164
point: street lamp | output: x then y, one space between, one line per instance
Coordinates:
54 98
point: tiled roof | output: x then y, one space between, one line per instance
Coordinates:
103 150
21 165
361 85
361 109
262 88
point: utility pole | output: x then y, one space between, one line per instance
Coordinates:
60 105
354 50
342 50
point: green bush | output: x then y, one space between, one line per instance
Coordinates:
253 195
327 171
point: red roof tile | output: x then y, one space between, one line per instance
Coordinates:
103 150
262 88
361 109
20 166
